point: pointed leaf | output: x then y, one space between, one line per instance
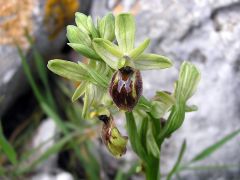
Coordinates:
139 50
152 61
125 31
75 35
84 50
67 69
179 159
211 149
152 146
108 52
107 27
7 148
79 91
81 21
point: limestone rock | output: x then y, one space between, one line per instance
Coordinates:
206 33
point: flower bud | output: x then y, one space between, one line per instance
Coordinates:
112 138
126 88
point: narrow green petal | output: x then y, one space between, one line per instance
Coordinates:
125 31
152 61
139 50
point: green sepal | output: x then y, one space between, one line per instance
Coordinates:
152 61
108 52
85 51
81 21
75 35
106 27
68 69
91 28
125 31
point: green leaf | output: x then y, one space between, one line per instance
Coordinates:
152 61
125 31
143 132
84 50
54 149
152 146
99 79
107 27
139 50
79 91
81 21
91 28
108 52
211 149
7 147
75 35
67 69
179 159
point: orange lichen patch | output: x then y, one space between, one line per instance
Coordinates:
134 9
58 13
15 19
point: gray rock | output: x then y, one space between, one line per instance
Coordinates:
45 23
207 34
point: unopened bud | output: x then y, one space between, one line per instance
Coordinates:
112 138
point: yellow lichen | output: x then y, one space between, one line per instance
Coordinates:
58 13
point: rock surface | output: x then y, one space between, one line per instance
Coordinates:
207 34
45 21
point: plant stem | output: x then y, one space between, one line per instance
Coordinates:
153 170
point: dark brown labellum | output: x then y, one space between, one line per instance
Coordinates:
126 88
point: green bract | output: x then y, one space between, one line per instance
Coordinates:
114 64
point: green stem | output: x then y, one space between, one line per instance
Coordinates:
153 170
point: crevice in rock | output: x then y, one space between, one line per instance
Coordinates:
233 7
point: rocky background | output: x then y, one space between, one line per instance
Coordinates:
205 32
